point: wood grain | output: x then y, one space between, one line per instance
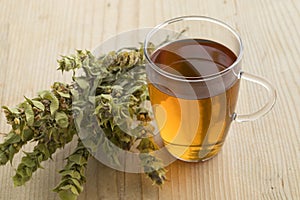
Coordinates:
260 160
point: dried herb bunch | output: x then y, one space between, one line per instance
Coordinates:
105 105
46 119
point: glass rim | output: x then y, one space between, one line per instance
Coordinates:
193 18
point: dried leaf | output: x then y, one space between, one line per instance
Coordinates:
54 105
26 134
3 158
18 181
28 162
67 195
29 114
78 159
74 190
82 82
65 95
12 150
39 105
71 173
11 110
62 119
12 138
77 184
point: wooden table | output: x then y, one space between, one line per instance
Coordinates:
260 160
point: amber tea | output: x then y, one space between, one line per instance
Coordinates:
193 125
194 68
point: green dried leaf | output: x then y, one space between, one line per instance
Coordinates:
65 95
125 138
12 138
29 114
66 172
28 100
40 159
12 151
11 110
54 105
67 195
28 162
41 147
78 159
62 119
66 187
71 173
39 105
27 134
18 181
82 82
74 190
77 184
3 158
77 175
28 172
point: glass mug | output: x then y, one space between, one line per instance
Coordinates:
194 71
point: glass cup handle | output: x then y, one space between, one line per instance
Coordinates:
267 107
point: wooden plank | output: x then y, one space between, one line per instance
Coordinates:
260 160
